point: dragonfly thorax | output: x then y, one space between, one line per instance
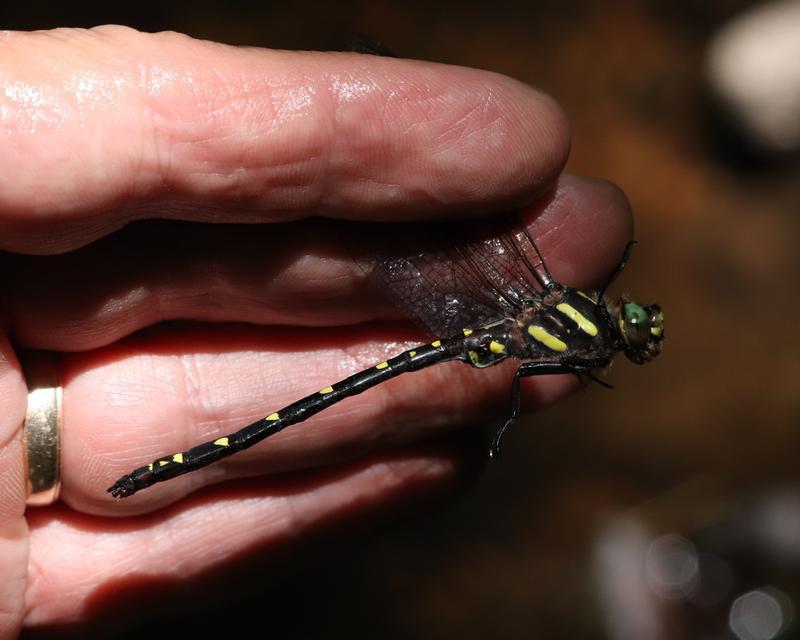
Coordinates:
568 325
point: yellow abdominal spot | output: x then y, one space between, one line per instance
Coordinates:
548 340
411 354
326 390
437 343
467 332
382 365
584 324
222 442
163 463
272 416
497 347
178 457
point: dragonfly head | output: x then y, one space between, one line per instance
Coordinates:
642 329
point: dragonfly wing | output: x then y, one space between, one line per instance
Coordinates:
466 279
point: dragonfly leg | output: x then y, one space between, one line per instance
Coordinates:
595 379
526 370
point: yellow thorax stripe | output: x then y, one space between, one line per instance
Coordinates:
547 339
585 325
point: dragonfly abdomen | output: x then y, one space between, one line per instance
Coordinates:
182 462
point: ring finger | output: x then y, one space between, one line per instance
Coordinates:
166 390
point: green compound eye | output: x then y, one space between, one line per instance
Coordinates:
642 329
635 313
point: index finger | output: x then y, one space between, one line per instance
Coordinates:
109 125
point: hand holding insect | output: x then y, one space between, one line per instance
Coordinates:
170 334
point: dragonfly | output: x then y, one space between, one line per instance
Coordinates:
492 298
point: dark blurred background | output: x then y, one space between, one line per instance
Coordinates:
667 508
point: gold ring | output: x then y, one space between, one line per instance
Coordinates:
42 429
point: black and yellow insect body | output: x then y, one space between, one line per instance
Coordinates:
501 289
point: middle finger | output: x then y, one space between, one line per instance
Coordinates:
298 274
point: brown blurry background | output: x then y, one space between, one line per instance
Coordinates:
667 508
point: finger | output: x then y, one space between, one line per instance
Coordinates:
13 529
294 274
187 545
110 125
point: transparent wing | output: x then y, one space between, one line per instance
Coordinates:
466 277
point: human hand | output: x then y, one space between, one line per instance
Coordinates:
109 126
